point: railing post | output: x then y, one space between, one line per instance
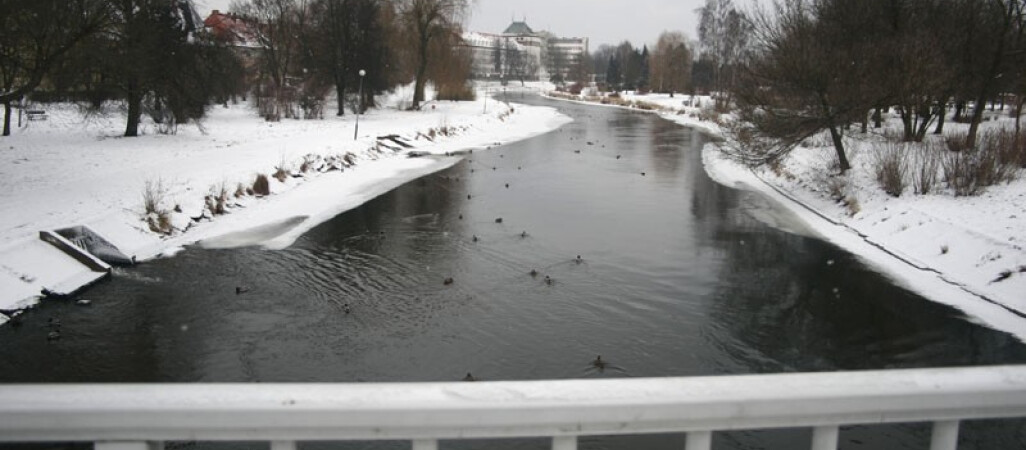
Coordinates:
945 435
283 445
564 443
825 438
138 445
425 444
699 440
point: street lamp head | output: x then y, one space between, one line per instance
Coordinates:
363 72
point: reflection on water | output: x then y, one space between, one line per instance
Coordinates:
677 277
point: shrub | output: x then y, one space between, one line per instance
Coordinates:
837 187
458 92
956 142
890 167
262 185
1012 148
709 115
968 171
925 162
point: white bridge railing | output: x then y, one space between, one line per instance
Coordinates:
142 417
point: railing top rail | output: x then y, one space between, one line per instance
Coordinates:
504 409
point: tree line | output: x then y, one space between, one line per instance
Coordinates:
676 64
158 59
816 65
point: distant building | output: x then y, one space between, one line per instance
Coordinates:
519 48
565 54
231 29
236 33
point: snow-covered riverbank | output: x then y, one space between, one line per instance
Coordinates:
967 252
73 169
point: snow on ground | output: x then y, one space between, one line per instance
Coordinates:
692 111
950 249
75 169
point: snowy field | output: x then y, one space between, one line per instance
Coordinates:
967 252
75 169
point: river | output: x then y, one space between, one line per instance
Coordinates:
677 277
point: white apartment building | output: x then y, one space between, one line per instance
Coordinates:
519 52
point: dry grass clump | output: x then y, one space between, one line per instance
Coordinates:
217 201
156 215
838 187
281 171
262 185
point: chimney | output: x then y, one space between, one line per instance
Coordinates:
216 13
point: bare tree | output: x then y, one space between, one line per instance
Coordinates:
346 36
153 53
724 33
425 21
277 31
992 27
670 64
35 36
522 65
810 74
450 68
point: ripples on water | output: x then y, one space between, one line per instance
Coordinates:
679 276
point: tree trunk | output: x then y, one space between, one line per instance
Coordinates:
134 112
877 118
923 118
990 76
959 112
1018 115
839 146
7 118
974 125
865 122
940 119
340 91
908 128
418 87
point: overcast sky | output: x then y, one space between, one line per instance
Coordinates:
602 21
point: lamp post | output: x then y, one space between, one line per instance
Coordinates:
359 105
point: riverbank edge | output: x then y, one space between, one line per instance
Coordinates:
307 202
918 276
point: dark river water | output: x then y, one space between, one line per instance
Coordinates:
677 278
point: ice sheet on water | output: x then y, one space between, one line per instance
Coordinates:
253 236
